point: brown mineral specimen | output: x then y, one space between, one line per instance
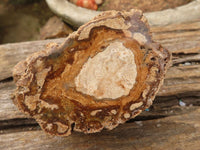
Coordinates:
104 74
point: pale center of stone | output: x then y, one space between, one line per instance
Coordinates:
109 74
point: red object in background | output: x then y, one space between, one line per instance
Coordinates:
90 4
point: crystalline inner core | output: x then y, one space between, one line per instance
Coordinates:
109 74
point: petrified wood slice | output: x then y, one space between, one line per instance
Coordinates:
102 75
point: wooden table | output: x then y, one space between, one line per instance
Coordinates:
168 124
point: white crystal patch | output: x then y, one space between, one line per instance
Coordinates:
109 74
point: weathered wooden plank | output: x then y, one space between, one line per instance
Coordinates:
181 79
195 25
176 132
7 109
11 54
165 126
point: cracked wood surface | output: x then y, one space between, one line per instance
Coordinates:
168 133
171 125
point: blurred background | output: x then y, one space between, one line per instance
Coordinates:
27 20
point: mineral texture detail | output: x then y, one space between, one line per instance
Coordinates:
104 74
109 74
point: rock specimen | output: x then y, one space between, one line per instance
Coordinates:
104 74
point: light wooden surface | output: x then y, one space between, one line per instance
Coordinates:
167 125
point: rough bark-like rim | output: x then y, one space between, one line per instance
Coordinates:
77 16
45 80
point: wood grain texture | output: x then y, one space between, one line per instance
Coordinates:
11 54
7 109
172 132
